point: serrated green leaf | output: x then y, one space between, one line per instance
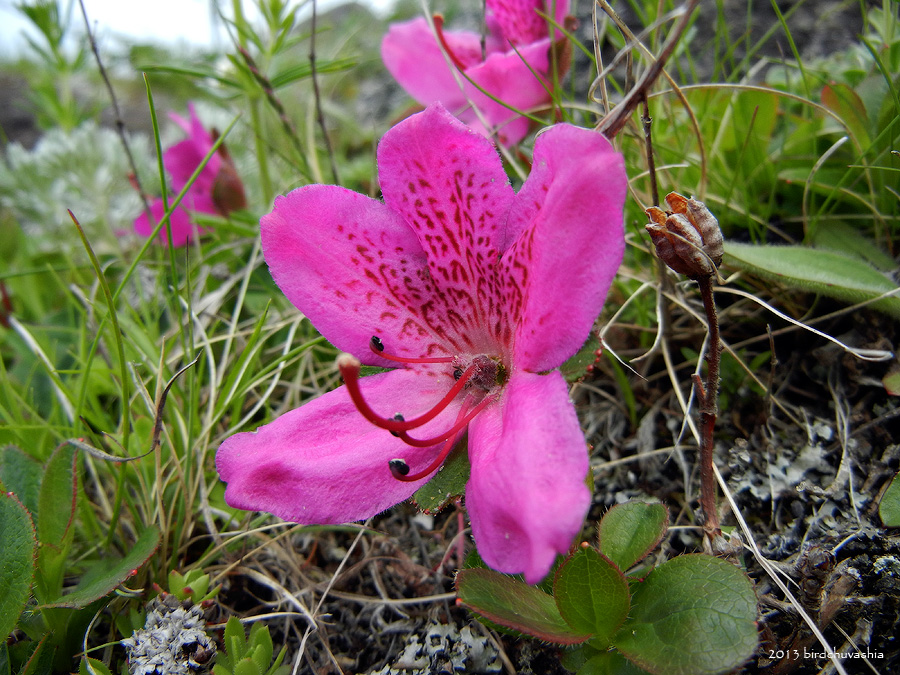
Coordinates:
104 576
16 560
246 666
514 604
448 483
41 659
56 501
89 666
592 594
816 271
21 474
889 508
629 531
261 639
693 615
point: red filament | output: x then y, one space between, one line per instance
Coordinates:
439 29
349 367
377 347
461 422
400 469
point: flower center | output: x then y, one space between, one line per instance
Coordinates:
482 376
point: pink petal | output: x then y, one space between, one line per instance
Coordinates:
324 462
355 269
182 159
571 242
448 184
183 230
411 54
518 21
527 497
512 78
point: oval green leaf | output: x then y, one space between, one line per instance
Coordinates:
889 508
816 271
16 560
693 615
104 576
21 474
514 604
628 532
592 594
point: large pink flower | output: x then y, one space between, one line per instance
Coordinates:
515 66
217 189
475 295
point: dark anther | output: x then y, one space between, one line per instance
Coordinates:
398 466
457 373
397 418
377 343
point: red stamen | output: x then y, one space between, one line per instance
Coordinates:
455 429
400 469
349 367
439 29
377 347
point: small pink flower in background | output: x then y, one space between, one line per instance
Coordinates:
515 67
217 190
475 295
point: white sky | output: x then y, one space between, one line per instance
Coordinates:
160 21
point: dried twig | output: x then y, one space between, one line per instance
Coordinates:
320 117
120 123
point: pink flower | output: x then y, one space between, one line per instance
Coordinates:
515 67
475 295
217 190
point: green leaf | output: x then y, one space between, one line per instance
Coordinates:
16 560
848 106
591 594
576 366
89 666
104 576
816 271
56 502
628 532
514 604
246 666
836 235
889 508
448 484
262 640
610 663
693 615
21 474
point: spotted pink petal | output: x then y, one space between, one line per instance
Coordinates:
570 242
527 497
354 267
518 22
448 184
325 463
411 54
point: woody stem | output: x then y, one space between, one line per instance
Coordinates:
708 395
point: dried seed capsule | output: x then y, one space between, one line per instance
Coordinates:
687 237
